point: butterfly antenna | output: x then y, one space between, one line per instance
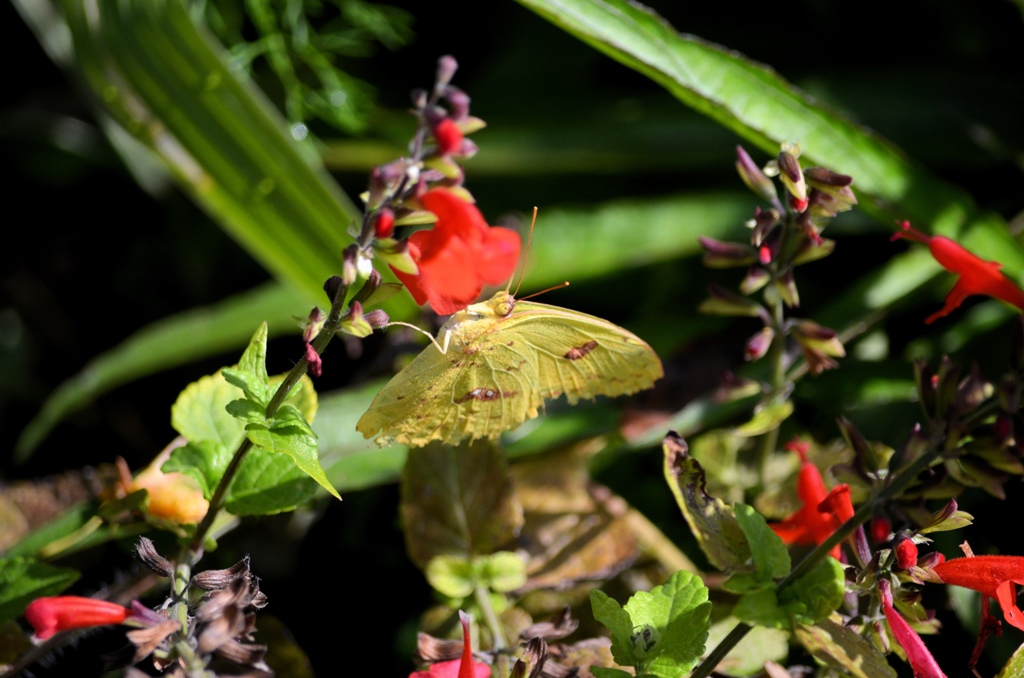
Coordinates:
526 255
545 290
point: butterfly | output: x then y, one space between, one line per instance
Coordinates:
499 361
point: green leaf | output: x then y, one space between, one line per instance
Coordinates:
250 375
761 608
760 645
268 483
503 571
770 555
68 523
457 500
451 576
617 620
766 419
247 410
297 442
680 611
205 461
1015 666
758 104
22 580
843 648
817 594
605 672
711 520
200 413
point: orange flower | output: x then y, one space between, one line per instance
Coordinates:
62 613
822 511
464 667
459 255
992 577
174 497
977 276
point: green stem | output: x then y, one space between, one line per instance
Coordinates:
483 599
330 328
861 516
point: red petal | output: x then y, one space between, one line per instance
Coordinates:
62 613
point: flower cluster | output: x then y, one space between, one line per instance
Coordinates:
783 236
446 266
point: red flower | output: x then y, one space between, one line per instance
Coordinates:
822 512
464 667
62 613
977 276
459 255
921 660
906 552
448 136
991 576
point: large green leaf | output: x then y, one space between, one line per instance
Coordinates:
169 86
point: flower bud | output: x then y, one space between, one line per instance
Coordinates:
905 550
458 101
756 278
349 265
786 287
718 254
724 302
313 362
448 136
377 319
758 344
314 323
793 179
384 223
446 67
753 177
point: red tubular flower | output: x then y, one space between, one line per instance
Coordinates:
811 524
991 576
62 613
906 552
463 667
921 660
459 255
977 276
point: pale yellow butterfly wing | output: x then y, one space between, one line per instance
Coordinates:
499 369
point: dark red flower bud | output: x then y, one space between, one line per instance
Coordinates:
880 529
313 359
758 344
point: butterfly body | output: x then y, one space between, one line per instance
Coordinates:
503 358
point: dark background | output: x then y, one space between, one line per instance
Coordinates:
90 257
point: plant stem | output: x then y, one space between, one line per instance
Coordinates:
861 516
330 328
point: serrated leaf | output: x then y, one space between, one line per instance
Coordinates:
451 576
384 292
23 579
770 555
844 649
268 483
289 416
199 412
457 500
761 608
250 374
205 461
680 610
711 520
503 571
246 410
617 620
296 442
817 594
